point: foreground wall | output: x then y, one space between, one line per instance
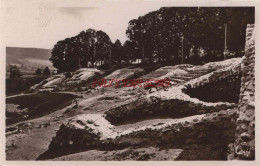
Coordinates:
244 146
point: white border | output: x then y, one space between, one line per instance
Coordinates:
184 3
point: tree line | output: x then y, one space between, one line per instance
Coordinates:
83 50
170 34
16 73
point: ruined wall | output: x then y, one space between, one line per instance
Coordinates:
244 146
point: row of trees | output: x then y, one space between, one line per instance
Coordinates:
16 73
169 34
163 34
46 71
83 50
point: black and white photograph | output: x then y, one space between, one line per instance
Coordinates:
128 81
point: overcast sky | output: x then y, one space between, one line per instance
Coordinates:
41 23
37 23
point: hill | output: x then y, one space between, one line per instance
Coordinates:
29 57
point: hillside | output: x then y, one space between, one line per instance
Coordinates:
29 57
117 123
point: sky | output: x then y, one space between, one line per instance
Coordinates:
41 23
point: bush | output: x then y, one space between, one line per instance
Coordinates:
68 75
38 71
46 71
105 66
15 72
18 85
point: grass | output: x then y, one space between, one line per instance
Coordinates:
19 85
40 104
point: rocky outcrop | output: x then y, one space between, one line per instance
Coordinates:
244 146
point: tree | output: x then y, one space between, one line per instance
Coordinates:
129 52
88 46
59 56
103 47
38 71
159 34
46 71
15 72
117 51
135 35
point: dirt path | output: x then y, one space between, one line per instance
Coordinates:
29 143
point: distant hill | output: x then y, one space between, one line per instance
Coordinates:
29 57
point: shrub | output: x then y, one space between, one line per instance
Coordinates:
46 71
38 71
68 75
15 72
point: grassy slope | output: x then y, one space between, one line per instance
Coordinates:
41 104
18 85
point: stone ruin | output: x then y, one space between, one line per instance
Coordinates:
244 145
198 122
